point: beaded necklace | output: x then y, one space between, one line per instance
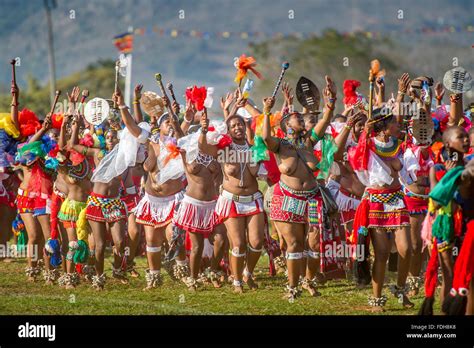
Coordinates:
241 149
298 143
388 150
204 159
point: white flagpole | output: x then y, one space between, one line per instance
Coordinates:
128 79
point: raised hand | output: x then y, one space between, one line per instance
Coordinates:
330 90
118 98
439 91
268 104
227 101
175 107
47 122
138 92
380 82
74 96
354 118
403 83
287 93
204 121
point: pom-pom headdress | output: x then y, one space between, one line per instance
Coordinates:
29 123
349 89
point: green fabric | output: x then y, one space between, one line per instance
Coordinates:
22 240
328 149
35 148
315 137
82 252
444 190
443 228
259 150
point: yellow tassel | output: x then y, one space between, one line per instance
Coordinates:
82 226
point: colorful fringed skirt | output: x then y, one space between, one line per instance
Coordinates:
196 216
387 208
298 207
156 211
28 202
69 212
417 204
235 206
105 209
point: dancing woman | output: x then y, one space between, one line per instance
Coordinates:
295 197
78 175
105 210
156 209
196 213
382 211
240 205
33 199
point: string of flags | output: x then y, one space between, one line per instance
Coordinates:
124 42
155 30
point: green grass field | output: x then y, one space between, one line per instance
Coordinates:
17 296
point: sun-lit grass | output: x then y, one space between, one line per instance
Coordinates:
17 296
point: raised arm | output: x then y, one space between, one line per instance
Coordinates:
137 110
380 97
330 99
252 109
188 116
45 127
173 110
439 94
287 92
455 111
271 142
226 104
342 137
62 143
126 117
74 142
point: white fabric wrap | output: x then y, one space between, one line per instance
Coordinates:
378 173
190 142
122 156
174 169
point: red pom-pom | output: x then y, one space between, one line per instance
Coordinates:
54 151
87 140
280 134
76 157
349 89
29 123
57 121
197 95
224 141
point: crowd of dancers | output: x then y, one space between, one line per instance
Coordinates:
326 195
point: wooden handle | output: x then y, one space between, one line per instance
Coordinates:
117 68
13 63
56 98
170 88
371 93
